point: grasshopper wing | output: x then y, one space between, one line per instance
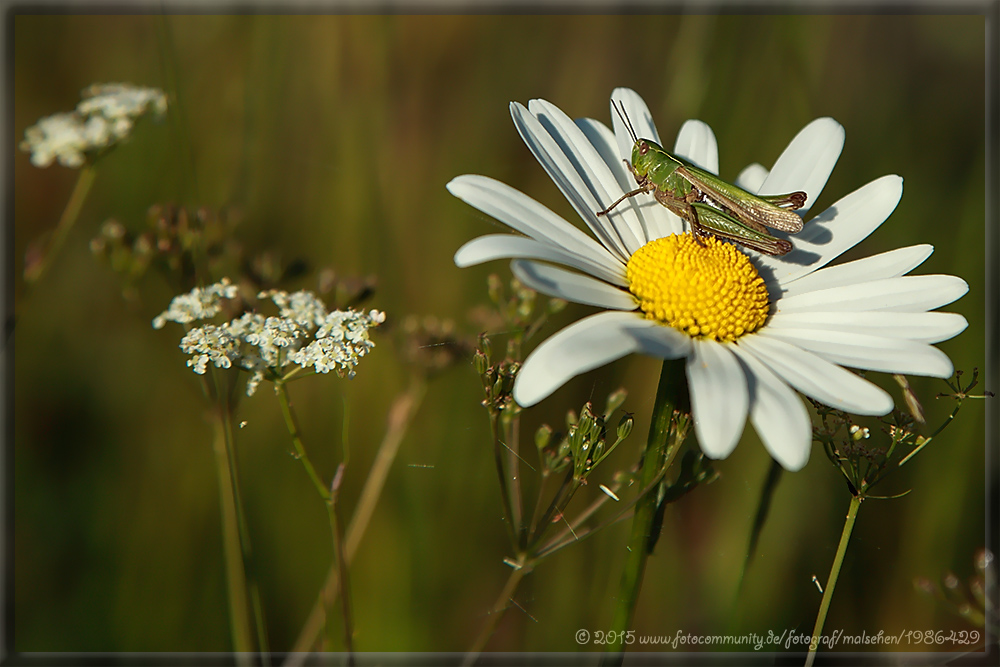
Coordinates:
755 212
725 226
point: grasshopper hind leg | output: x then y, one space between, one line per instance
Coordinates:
698 230
682 208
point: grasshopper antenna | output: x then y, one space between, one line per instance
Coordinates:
620 109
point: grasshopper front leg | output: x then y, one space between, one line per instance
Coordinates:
645 186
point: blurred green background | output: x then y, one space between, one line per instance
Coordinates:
335 136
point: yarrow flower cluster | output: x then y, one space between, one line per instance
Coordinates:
753 328
201 303
303 334
104 117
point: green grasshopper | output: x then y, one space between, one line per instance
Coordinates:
710 205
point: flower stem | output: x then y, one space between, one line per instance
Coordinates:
670 396
329 497
236 533
496 613
340 561
511 429
499 455
34 271
239 614
400 416
300 450
831 581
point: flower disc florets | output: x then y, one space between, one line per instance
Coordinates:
705 288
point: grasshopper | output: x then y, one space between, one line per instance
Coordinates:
710 205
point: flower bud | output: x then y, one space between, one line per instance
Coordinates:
625 426
481 362
486 346
543 436
586 422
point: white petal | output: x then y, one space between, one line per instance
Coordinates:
696 143
606 145
884 265
508 246
587 344
874 353
719 397
641 121
660 341
752 177
522 213
835 230
593 186
904 294
932 327
807 162
594 171
571 286
656 220
564 173
819 379
777 414
638 116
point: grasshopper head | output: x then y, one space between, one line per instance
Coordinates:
647 155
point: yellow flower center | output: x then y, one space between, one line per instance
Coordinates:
708 289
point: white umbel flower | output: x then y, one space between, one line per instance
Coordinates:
303 306
104 117
340 342
747 350
121 104
66 138
303 334
201 303
210 343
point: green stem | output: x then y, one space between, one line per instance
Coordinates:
35 271
511 428
341 564
242 530
329 497
539 502
400 416
927 440
670 395
239 614
569 534
831 581
496 613
559 502
498 458
300 450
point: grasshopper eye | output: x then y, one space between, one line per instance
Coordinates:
643 148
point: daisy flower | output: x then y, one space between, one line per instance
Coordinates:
754 329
